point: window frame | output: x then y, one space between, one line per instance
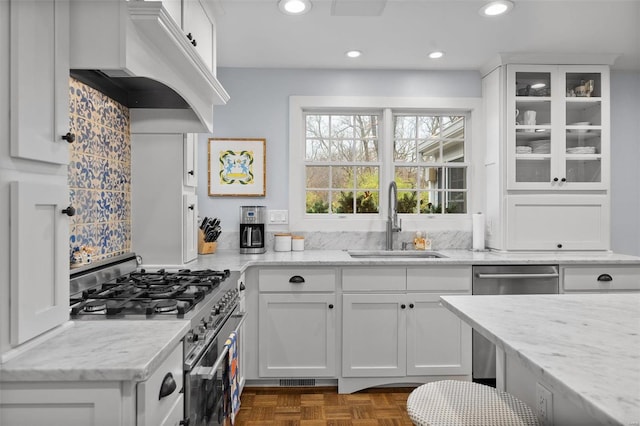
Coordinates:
299 105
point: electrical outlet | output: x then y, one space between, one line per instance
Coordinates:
544 405
280 217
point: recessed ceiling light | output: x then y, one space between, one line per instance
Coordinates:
495 8
294 7
436 54
538 86
353 54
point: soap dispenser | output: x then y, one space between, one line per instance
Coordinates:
419 241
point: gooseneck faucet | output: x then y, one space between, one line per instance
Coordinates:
393 224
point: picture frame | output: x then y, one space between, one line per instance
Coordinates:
237 167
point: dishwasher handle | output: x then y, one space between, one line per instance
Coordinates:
516 276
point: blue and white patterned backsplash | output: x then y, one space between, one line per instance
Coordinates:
99 173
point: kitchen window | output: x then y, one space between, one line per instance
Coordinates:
345 151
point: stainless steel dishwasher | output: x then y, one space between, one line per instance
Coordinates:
506 279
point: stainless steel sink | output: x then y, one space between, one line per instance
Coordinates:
393 254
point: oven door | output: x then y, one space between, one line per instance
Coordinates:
205 387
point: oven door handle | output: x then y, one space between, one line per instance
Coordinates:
207 373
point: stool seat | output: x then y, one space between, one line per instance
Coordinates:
458 403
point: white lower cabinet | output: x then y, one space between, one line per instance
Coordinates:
395 335
297 323
398 334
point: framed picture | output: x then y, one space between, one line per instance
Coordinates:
237 167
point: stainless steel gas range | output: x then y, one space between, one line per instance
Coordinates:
208 299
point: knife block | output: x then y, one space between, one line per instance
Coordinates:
204 247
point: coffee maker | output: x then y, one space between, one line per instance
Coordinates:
252 219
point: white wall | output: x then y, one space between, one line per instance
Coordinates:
625 162
259 109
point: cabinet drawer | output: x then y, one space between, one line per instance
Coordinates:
596 278
378 279
297 279
440 278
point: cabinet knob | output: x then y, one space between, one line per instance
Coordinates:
189 36
296 279
69 137
330 305
191 206
555 179
194 42
411 305
69 211
403 306
605 277
563 179
191 172
559 246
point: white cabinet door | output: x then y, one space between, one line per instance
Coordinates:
297 335
438 342
39 260
40 80
557 222
199 29
191 160
373 335
190 227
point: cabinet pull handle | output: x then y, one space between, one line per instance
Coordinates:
605 277
191 206
168 386
69 137
330 305
296 279
403 306
191 172
411 305
69 211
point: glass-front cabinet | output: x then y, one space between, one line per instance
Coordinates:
557 127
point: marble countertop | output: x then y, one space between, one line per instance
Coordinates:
90 351
584 346
231 259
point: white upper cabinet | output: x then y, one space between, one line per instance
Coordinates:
557 127
199 30
40 81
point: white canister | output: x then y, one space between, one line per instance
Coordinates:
282 242
297 243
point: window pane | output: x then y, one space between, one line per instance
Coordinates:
317 202
341 126
428 177
317 177
367 177
342 201
406 177
366 150
429 150
342 177
431 202
404 150
342 151
367 202
317 150
404 127
317 126
407 202
428 126
456 178
457 202
366 126
453 127
453 150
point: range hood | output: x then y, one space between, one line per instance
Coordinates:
135 53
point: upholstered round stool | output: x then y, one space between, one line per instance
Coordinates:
458 403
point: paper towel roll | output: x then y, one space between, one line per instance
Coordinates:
478 231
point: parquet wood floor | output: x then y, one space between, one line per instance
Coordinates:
323 406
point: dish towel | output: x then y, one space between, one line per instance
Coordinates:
232 375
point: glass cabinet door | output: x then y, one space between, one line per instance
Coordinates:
583 126
533 122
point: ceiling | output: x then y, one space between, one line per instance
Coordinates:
398 34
